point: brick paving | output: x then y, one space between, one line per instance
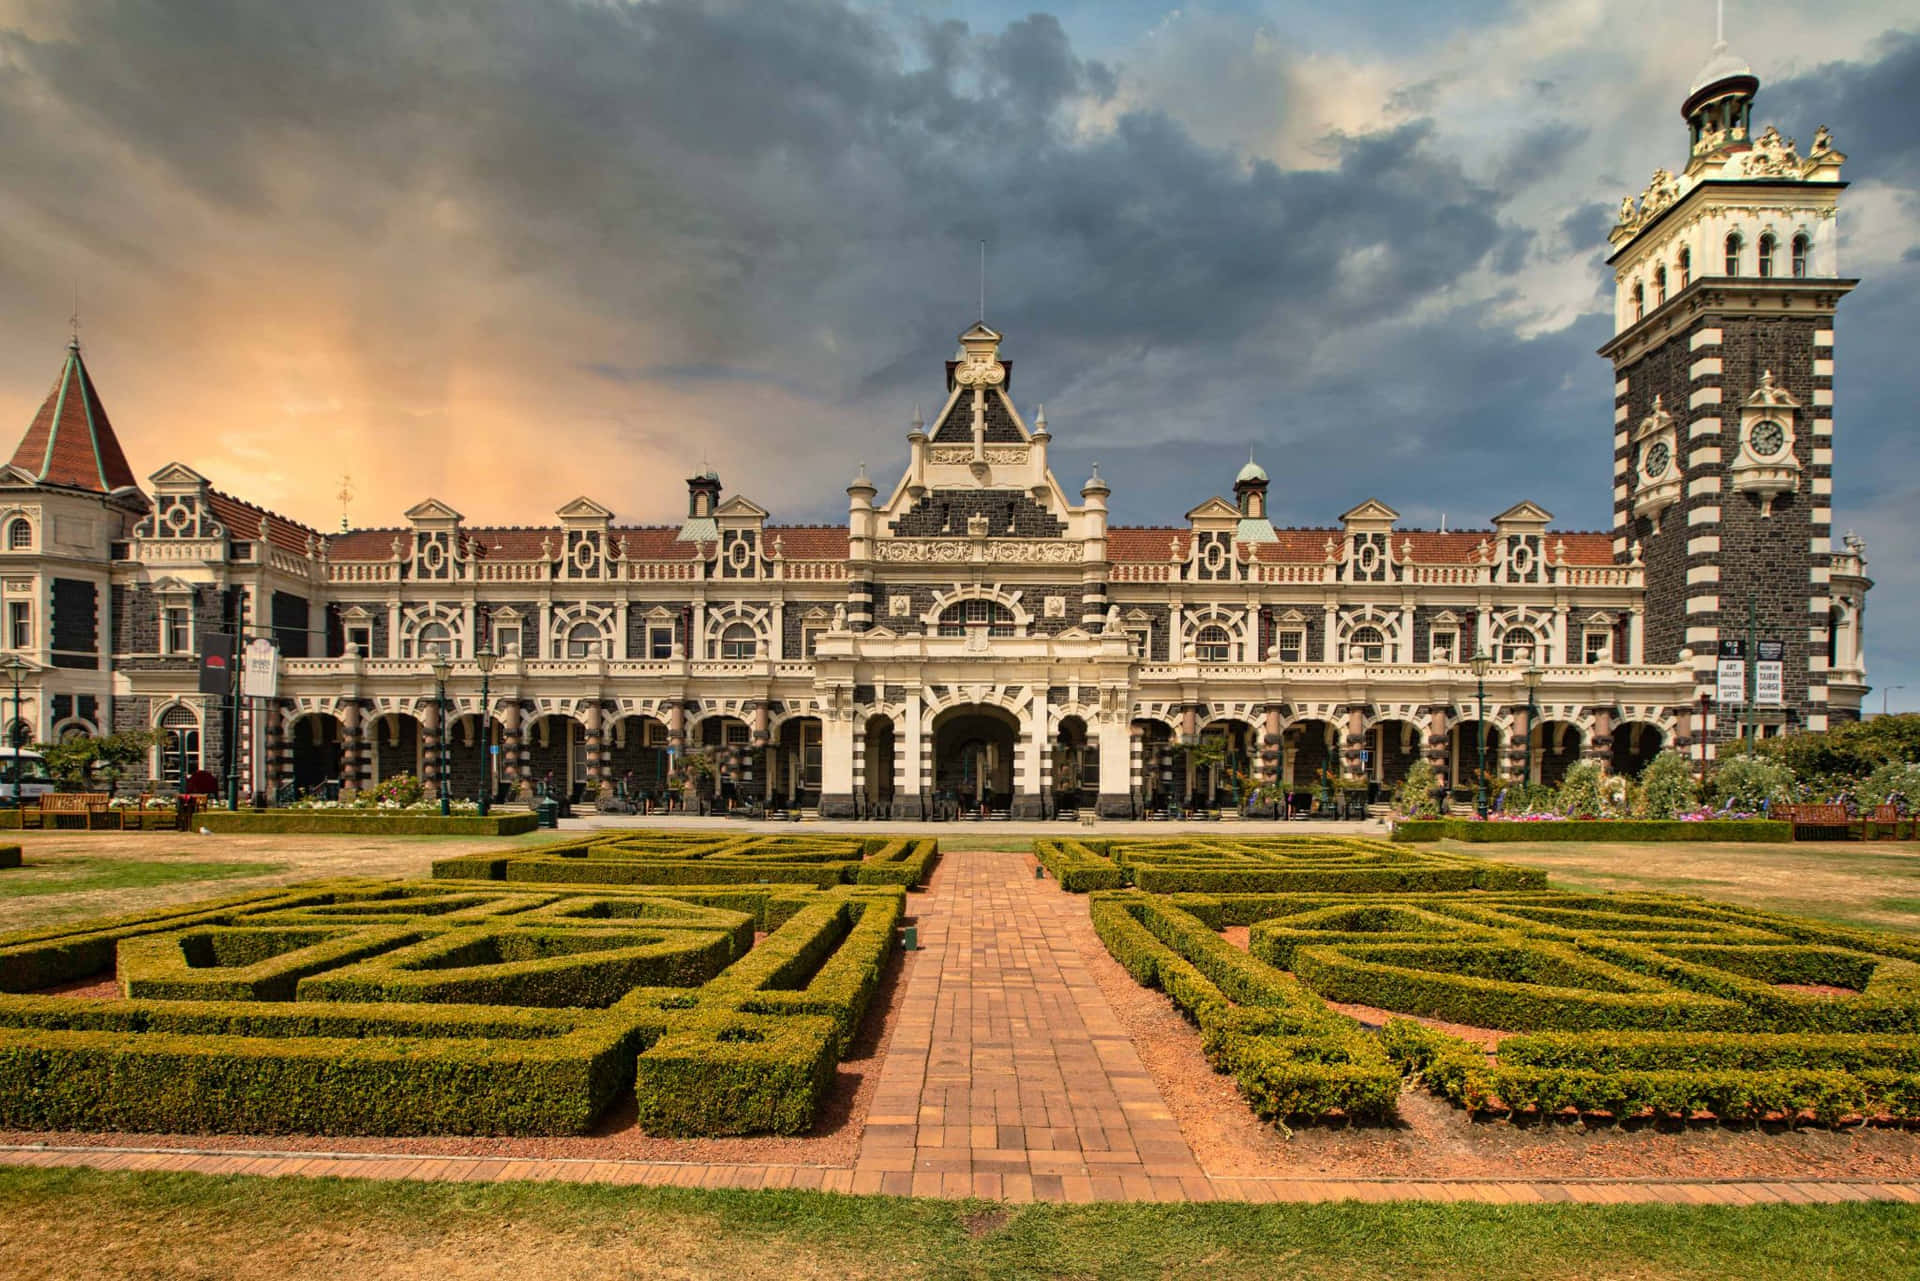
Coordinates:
1008 1077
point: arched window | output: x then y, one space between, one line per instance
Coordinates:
179 745
584 640
1517 645
1659 285
19 534
1639 300
1686 267
1733 253
1766 254
739 641
432 639
1800 248
1368 644
1212 644
955 618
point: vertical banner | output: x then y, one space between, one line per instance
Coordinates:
1730 684
216 663
260 669
1769 674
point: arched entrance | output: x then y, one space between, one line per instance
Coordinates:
1307 747
1635 743
797 763
1219 766
1464 759
973 764
315 740
1073 767
638 760
1556 746
1156 766
396 746
556 756
877 799
1392 747
726 745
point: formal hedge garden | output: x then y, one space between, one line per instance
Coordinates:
455 1006
1613 1006
1298 863
700 858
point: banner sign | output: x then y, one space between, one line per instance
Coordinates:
1730 685
1769 675
260 669
216 663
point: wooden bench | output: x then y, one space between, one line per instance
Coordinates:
1819 822
68 809
1883 824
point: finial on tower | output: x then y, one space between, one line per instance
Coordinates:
346 497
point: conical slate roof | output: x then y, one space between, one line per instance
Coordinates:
71 442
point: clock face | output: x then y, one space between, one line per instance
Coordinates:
1767 438
1658 458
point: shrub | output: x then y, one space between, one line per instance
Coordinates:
9 856
1894 783
1414 797
1667 787
1750 784
1581 793
400 789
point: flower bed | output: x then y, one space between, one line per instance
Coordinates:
366 821
1549 827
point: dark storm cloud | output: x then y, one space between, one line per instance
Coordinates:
1864 103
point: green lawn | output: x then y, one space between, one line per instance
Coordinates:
1856 883
89 1223
79 875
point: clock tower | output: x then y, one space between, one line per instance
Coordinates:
1726 283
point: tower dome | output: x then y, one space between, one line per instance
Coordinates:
1252 473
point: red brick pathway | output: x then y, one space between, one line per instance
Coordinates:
1008 1071
1008 1077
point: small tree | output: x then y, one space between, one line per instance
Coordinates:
1749 784
1667 787
1581 792
1414 797
83 761
1895 783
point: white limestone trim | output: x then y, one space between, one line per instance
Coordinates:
1704 516
1823 395
1703 604
1706 367
1705 338
1704 545
1823 367
1703 427
1823 337
1703 485
1703 574
1703 396
1706 455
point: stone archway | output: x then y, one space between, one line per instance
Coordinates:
1073 766
1556 746
973 758
1635 744
878 766
317 753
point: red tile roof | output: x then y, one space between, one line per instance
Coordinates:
1147 543
810 542
71 442
242 520
1430 547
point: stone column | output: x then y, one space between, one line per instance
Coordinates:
1520 748
1356 741
1600 746
353 748
1030 764
596 747
910 763
836 764
1437 729
430 749
1119 766
1271 740
512 743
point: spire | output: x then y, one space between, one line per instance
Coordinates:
71 442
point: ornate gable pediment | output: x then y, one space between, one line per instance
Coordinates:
432 512
1291 616
1447 617
1372 515
738 507
1523 513
585 510
357 614
12 477
1215 508
1598 618
177 476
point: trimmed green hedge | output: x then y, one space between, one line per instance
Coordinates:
347 822
9 856
1247 865
706 858
449 1009
1496 832
1079 866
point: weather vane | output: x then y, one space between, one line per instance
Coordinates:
345 496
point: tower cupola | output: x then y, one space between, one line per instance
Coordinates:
1719 107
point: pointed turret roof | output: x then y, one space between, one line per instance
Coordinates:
71 442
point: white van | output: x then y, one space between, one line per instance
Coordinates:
29 769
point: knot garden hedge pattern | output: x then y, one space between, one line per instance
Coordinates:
459 1006
1612 1005
699 858
1205 864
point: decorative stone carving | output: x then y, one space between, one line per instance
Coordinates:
996 455
999 551
1055 607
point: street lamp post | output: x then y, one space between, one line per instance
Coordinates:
1481 661
483 659
442 668
15 668
1534 673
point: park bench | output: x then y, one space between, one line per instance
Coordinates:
67 809
1819 822
1883 824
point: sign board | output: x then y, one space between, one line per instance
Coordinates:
260 669
216 663
1730 684
1769 675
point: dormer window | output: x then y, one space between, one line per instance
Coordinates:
1686 267
1766 254
1733 253
1800 248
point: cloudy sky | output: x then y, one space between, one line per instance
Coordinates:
509 251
